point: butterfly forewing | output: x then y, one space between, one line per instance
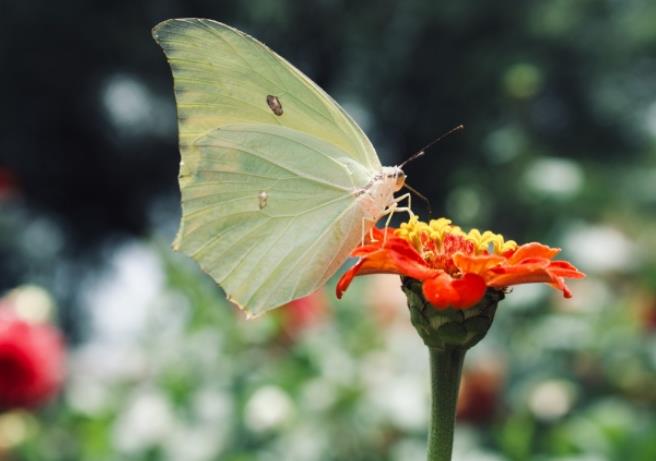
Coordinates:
223 76
271 166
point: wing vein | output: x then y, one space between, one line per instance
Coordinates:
292 266
328 157
272 162
214 239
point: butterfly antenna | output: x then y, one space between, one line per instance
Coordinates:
421 196
423 150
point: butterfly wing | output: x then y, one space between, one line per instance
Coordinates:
269 212
223 76
269 166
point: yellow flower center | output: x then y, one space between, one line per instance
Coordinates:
417 233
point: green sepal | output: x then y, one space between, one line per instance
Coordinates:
450 328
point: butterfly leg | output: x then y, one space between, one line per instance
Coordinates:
371 230
395 208
389 212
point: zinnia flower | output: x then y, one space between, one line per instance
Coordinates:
456 268
31 357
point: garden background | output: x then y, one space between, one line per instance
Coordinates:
558 100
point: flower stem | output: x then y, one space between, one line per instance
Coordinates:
446 367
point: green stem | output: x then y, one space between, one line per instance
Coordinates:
446 367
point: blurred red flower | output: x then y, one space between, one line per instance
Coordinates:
31 361
480 391
648 316
456 268
7 183
304 313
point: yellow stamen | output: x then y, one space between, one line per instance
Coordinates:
487 242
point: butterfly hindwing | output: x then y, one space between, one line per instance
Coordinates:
265 253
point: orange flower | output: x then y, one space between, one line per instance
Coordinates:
456 268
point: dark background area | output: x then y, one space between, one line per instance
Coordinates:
415 69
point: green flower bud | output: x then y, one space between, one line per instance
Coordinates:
450 328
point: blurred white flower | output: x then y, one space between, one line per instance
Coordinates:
318 395
146 421
133 110
213 406
189 443
397 388
409 450
526 296
599 249
119 300
403 401
268 408
563 331
305 442
108 363
557 177
551 399
87 396
336 365
591 295
467 446
32 303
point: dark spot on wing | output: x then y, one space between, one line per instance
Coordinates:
274 104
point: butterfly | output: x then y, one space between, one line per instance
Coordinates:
278 183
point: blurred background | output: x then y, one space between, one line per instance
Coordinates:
143 359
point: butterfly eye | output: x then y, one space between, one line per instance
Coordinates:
400 180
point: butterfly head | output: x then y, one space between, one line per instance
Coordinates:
399 177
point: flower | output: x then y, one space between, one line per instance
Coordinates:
8 183
456 268
31 361
303 313
480 391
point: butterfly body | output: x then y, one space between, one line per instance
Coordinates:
277 181
378 194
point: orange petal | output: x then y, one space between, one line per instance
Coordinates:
471 288
397 257
476 264
439 291
532 250
444 291
516 278
565 269
551 272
